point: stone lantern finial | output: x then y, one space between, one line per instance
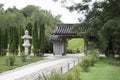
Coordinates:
26 32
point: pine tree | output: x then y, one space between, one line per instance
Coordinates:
35 38
42 35
21 33
13 39
0 41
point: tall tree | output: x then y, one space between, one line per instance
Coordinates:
13 39
35 38
103 20
28 10
42 38
20 33
1 8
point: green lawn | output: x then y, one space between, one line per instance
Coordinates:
76 43
102 71
18 63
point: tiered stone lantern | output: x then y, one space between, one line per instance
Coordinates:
26 43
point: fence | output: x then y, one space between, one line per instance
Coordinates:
61 68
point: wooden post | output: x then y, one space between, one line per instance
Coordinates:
74 63
61 70
78 60
68 66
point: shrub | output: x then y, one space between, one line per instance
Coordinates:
85 64
77 73
54 76
69 51
114 61
92 60
94 54
70 76
10 60
23 57
118 63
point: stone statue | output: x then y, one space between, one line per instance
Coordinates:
26 43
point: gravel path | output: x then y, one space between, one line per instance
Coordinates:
34 70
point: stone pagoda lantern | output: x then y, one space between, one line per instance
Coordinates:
26 43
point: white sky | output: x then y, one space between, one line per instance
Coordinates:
55 8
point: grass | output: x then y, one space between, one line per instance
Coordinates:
76 43
102 71
18 63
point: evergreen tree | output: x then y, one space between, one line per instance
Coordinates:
29 28
35 38
13 39
21 33
0 41
42 38
101 20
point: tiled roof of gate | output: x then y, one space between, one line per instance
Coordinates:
63 29
55 38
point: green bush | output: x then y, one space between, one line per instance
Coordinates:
118 63
114 61
54 76
69 51
85 64
69 76
92 60
10 60
23 57
94 53
77 73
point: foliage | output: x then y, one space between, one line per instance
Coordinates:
13 39
20 33
110 72
17 63
23 57
48 45
70 51
110 40
100 21
28 10
69 76
54 76
102 71
94 53
93 56
92 60
76 43
13 23
10 60
113 61
35 38
42 38
85 64
88 61
76 71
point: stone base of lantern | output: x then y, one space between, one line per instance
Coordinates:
7 53
28 57
31 54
